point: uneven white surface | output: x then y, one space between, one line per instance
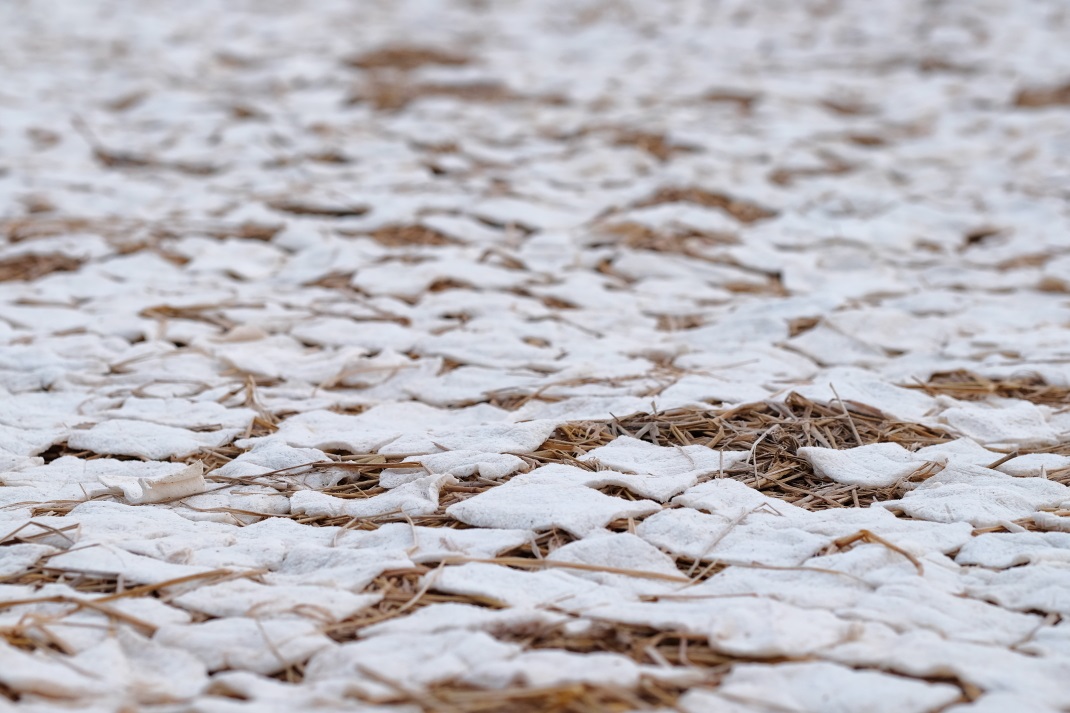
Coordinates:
223 183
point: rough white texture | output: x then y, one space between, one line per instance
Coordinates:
1034 464
730 499
697 536
292 241
633 456
1051 522
434 544
420 497
858 386
148 440
183 413
1049 640
745 626
671 470
377 664
128 669
979 496
106 559
961 451
241 597
464 464
828 688
447 616
262 646
330 566
1001 550
1043 587
555 588
408 660
878 465
992 669
15 559
174 486
1015 423
999 702
547 498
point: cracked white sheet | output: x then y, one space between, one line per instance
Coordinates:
250 252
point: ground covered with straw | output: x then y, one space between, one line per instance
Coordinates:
460 357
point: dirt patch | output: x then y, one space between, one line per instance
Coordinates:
657 145
679 322
787 176
405 235
395 94
967 386
773 432
744 211
641 237
1043 97
407 57
296 207
31 267
574 698
248 231
745 102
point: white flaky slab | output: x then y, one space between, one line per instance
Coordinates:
337 567
1002 550
1042 587
553 587
820 687
961 451
174 486
687 533
991 668
127 666
1035 464
661 472
878 465
110 560
639 563
428 545
911 405
148 440
420 497
183 413
263 646
413 660
1052 522
920 605
746 626
542 500
733 500
1000 701
450 615
514 438
279 264
1012 423
15 559
631 455
979 496
464 464
74 471
245 598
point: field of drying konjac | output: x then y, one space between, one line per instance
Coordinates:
541 355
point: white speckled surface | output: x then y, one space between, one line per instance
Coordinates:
238 215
